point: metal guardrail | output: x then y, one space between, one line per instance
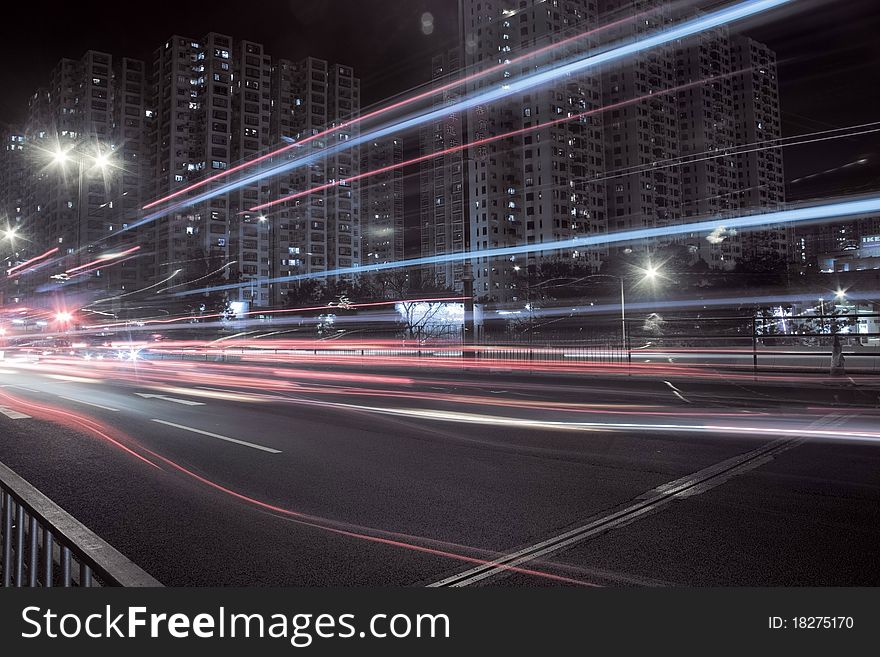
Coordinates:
43 545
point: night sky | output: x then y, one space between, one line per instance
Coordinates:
828 50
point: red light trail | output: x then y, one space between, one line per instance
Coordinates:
107 257
369 534
11 270
279 311
393 106
488 140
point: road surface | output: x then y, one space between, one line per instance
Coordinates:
250 474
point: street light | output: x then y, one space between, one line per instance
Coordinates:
651 273
63 317
100 158
102 161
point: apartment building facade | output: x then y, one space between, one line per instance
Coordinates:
382 199
15 245
321 230
74 174
666 139
541 184
443 223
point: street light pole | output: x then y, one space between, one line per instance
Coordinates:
79 204
467 280
651 273
623 334
101 160
623 321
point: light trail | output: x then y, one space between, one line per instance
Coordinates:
92 268
397 105
677 304
26 263
200 278
735 13
743 149
75 421
799 215
559 425
103 259
143 289
330 306
369 534
488 140
248 369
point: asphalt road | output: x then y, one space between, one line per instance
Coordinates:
235 474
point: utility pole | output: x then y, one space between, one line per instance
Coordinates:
623 333
467 338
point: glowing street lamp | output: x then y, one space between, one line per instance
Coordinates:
652 272
64 317
79 154
102 161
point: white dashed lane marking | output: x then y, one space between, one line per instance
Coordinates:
219 437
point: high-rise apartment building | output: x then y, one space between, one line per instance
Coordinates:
673 157
128 138
211 104
321 230
759 168
15 245
443 220
202 106
249 232
638 134
667 143
76 170
540 185
707 134
382 201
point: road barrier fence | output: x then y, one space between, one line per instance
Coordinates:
44 546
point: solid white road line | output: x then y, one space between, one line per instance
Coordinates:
13 415
219 437
186 402
80 401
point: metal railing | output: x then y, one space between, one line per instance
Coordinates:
43 545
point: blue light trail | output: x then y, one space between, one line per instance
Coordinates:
708 21
815 213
